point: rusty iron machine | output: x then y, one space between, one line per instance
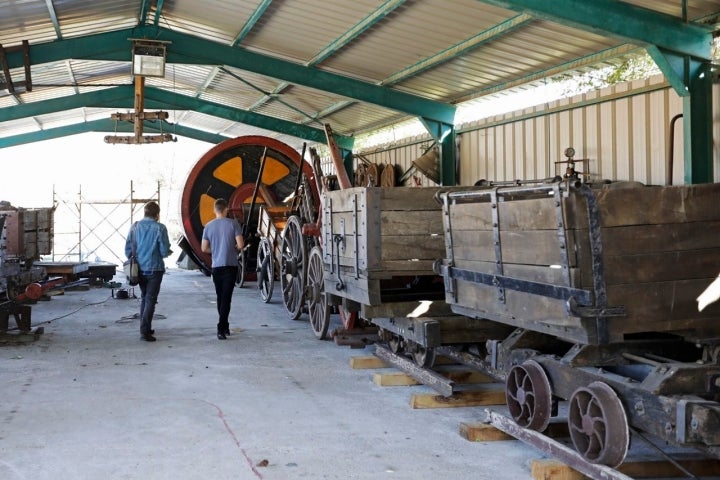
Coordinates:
25 234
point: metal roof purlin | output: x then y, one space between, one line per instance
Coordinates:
585 61
620 19
356 30
250 24
199 51
336 107
106 126
122 97
213 73
459 48
53 18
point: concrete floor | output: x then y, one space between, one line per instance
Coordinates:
89 400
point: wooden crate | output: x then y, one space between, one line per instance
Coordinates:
382 233
660 249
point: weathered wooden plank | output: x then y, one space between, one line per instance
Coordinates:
412 247
400 379
661 267
361 290
637 239
664 307
405 198
459 399
530 247
551 469
650 205
483 432
530 214
415 222
367 362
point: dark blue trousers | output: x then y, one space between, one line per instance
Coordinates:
150 288
224 280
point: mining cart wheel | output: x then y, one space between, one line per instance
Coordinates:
396 344
529 397
266 270
293 266
598 424
316 300
423 356
242 266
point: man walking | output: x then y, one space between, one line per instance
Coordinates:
222 239
151 246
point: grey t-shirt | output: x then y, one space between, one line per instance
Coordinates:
221 233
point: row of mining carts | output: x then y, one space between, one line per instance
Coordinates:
574 295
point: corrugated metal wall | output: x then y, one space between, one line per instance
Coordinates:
623 131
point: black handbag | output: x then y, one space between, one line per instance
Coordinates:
130 266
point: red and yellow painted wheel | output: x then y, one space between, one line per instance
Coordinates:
229 170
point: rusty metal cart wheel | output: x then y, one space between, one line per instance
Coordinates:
529 397
293 267
421 355
266 270
316 300
598 424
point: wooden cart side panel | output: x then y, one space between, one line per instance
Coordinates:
664 307
530 247
530 214
649 205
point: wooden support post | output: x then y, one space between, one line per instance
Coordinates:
367 362
551 469
400 379
482 432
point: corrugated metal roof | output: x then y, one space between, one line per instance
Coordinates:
375 41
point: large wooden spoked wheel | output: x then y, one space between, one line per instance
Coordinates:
316 300
293 266
528 395
265 270
230 170
598 424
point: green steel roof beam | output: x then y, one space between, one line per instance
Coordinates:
356 30
144 7
158 12
53 18
459 49
122 97
250 24
620 19
106 126
198 51
106 97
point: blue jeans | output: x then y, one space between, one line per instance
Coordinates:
150 288
224 280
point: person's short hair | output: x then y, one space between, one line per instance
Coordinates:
152 209
220 204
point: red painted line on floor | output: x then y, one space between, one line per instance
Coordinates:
250 463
